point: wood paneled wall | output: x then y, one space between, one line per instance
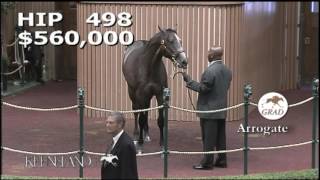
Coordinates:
270 47
259 39
200 27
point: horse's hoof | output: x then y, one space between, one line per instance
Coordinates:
135 142
139 151
138 148
147 139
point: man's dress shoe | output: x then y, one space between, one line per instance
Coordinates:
202 167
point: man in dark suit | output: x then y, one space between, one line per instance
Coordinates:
34 54
120 160
213 91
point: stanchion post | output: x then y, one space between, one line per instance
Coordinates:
247 94
166 99
23 76
4 79
315 94
81 108
1 157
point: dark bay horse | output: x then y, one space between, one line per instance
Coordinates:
146 75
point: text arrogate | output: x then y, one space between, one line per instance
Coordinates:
72 38
266 130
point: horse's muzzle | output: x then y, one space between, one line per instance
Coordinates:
183 65
182 61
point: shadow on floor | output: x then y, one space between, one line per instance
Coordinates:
15 87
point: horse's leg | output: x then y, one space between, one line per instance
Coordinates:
143 118
160 117
136 115
146 128
142 122
139 145
141 125
135 131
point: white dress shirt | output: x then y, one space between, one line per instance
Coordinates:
212 62
116 138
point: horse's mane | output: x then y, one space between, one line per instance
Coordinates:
171 30
157 35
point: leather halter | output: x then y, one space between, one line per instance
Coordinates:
171 52
174 61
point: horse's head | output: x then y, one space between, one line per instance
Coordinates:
172 47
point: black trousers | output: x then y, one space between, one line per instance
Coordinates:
213 132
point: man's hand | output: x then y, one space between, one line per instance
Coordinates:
186 77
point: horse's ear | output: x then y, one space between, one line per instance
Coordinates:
160 29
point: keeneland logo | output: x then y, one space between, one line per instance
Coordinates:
273 106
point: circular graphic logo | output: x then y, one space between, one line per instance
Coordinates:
273 106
